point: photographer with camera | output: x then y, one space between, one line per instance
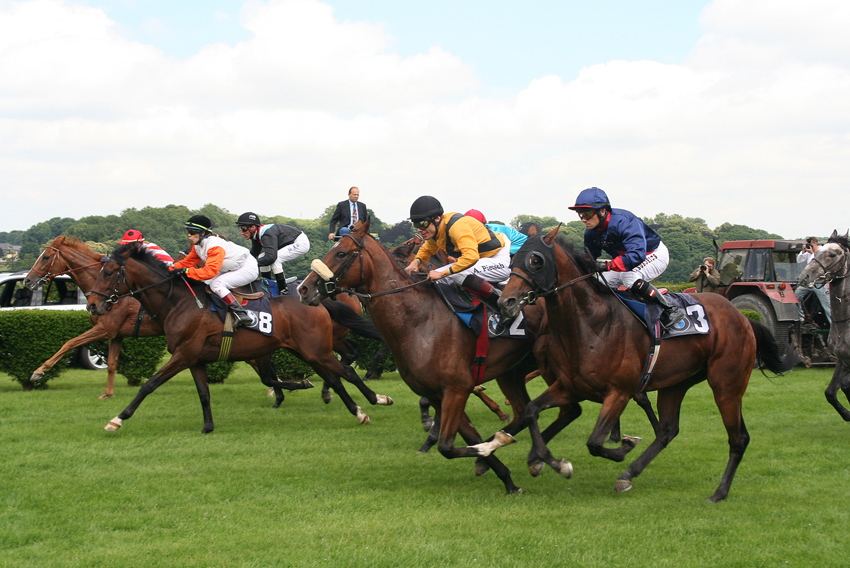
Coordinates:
806 255
706 276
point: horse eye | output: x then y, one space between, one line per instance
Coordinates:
535 262
340 254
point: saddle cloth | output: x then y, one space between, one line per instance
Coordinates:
696 321
471 311
260 311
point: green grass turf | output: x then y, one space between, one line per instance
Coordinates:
306 485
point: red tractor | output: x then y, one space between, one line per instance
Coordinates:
761 276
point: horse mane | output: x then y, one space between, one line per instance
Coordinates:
583 262
841 240
76 244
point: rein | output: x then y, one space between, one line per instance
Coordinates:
331 284
114 297
533 295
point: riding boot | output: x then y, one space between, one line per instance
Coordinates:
648 293
483 289
282 287
240 316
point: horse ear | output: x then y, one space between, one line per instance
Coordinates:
834 234
364 225
550 238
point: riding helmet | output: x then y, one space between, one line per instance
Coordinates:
476 214
425 207
201 222
592 197
248 219
132 236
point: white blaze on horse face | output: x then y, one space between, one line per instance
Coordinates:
321 269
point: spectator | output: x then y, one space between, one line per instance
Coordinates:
706 276
806 255
347 213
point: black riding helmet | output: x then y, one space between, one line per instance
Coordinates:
425 207
248 219
200 223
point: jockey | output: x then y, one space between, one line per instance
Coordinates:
272 245
226 264
134 236
482 255
638 255
517 239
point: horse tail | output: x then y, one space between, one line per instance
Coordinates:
768 351
345 316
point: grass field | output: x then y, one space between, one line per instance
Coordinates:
305 485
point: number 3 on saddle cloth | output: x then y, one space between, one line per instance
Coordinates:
473 312
696 322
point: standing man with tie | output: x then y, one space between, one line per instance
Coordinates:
347 213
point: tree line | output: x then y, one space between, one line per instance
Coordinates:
689 239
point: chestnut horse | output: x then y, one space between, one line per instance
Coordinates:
831 265
194 335
597 350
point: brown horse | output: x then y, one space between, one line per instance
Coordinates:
597 351
194 336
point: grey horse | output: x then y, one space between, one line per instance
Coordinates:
831 265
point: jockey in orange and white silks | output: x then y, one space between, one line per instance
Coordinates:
226 264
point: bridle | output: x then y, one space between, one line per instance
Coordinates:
830 275
121 278
331 285
538 292
47 276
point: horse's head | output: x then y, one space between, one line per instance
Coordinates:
111 282
832 261
405 252
534 272
65 255
342 267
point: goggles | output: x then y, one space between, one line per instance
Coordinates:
244 229
423 224
586 213
191 232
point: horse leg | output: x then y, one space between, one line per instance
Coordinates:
326 369
268 375
171 368
729 403
372 372
350 375
424 416
609 417
327 395
94 334
643 401
112 356
840 380
199 374
470 436
433 431
491 404
669 407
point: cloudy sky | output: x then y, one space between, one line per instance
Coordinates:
732 110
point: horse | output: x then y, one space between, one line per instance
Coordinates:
831 265
194 336
597 350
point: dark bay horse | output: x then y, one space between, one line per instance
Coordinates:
831 266
194 333
597 351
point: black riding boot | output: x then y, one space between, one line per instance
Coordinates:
649 294
483 289
240 316
282 287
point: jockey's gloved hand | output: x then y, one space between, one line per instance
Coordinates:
179 271
603 265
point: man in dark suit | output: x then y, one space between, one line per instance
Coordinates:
347 212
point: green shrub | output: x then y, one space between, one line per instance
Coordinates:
366 350
29 337
140 358
290 367
750 314
217 372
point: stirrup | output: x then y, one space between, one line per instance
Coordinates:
672 316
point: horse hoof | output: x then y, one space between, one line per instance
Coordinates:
515 491
506 418
36 377
105 396
622 485
206 430
307 384
113 425
634 440
384 400
428 424
362 418
326 397
535 468
565 468
481 468
270 393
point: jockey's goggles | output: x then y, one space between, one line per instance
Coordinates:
422 224
191 232
586 213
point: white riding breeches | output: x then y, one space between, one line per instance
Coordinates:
298 247
222 283
652 267
494 269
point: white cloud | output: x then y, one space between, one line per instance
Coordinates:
285 122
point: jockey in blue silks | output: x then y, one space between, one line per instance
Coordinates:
637 254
